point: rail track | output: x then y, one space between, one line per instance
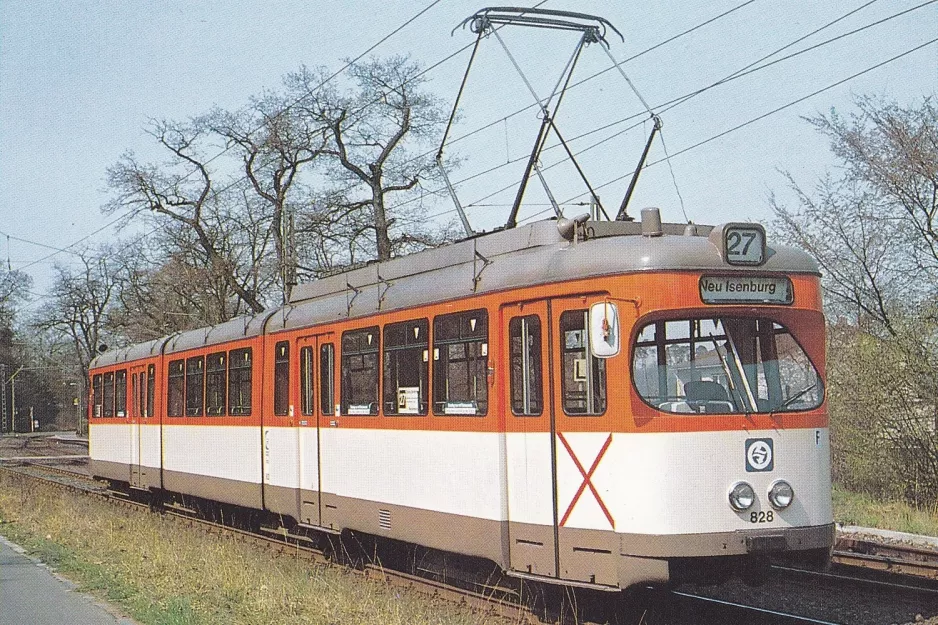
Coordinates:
908 560
857 564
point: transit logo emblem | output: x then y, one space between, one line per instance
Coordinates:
760 454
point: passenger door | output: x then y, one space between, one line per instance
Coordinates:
137 414
555 399
529 448
316 361
587 548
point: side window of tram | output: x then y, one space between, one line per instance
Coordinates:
239 382
460 363
140 396
306 381
195 386
216 384
327 379
175 388
107 395
406 364
151 390
282 378
97 400
584 377
524 335
360 349
120 393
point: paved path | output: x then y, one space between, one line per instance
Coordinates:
31 595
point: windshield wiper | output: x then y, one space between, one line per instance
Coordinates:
737 396
796 396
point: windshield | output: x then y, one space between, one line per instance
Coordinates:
724 365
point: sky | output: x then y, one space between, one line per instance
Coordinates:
81 79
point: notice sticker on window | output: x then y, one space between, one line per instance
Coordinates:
745 289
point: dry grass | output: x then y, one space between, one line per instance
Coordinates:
161 573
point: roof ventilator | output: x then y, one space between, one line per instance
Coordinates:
651 222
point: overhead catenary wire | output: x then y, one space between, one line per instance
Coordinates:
677 101
217 192
665 106
700 143
420 75
328 79
767 114
11 237
600 73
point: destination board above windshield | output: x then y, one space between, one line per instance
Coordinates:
745 289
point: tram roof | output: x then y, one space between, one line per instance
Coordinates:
528 255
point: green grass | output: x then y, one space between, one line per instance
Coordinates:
866 511
162 573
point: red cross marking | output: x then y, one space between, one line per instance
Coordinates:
587 480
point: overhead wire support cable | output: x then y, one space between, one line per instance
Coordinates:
370 49
601 72
449 57
425 71
773 111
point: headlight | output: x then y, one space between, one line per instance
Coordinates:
781 494
742 496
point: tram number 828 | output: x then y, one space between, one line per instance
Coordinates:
762 517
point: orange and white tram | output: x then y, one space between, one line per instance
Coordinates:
587 403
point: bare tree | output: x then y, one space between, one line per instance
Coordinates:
274 143
80 300
14 287
375 131
181 191
168 284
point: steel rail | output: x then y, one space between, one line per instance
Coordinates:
501 601
741 613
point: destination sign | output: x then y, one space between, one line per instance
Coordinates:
745 289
